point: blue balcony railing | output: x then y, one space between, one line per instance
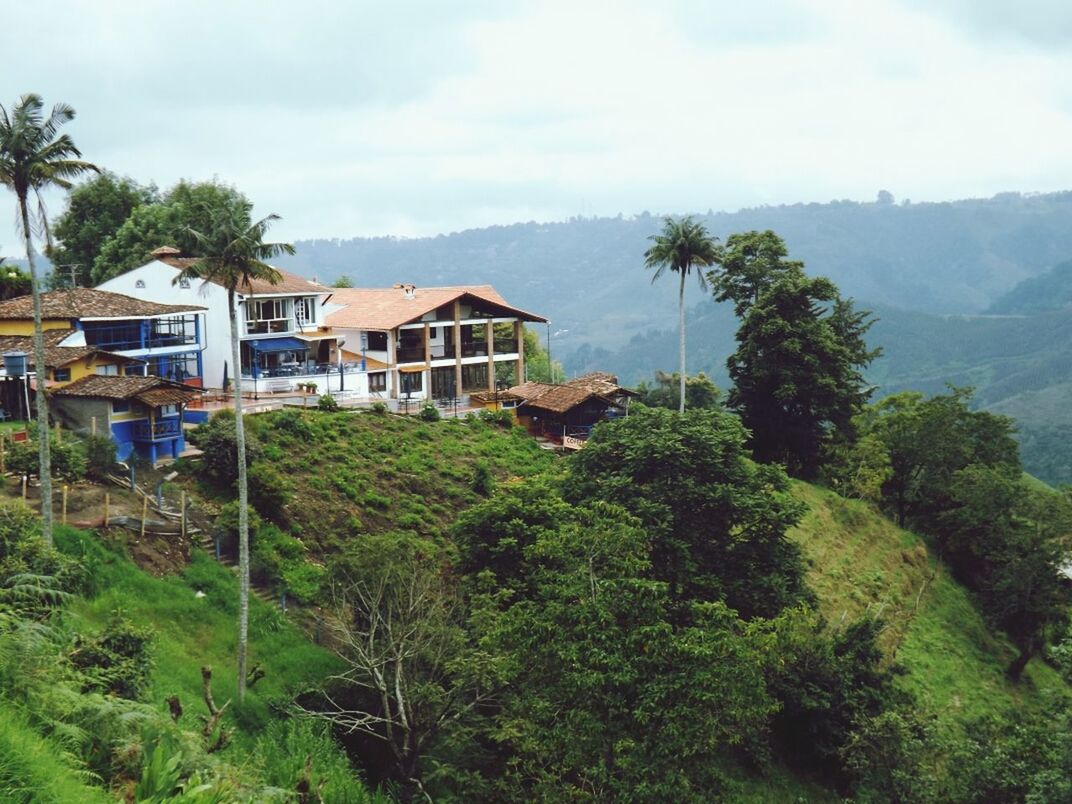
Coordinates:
160 430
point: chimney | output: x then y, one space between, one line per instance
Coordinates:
408 290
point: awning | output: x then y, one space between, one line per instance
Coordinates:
278 345
325 336
412 369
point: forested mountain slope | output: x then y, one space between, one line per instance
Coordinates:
587 275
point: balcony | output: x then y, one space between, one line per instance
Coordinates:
270 326
505 346
474 348
409 354
159 430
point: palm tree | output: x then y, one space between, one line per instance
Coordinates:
682 244
239 252
33 157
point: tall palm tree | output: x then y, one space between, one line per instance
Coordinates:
239 254
682 244
33 157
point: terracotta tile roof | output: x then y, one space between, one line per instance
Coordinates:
153 391
556 398
55 355
290 283
600 382
387 308
77 303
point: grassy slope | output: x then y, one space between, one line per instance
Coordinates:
192 631
860 562
33 767
350 472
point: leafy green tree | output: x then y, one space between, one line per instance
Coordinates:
682 245
1007 541
797 371
95 211
717 521
13 282
538 365
928 441
700 392
749 264
33 157
238 256
187 208
343 281
602 697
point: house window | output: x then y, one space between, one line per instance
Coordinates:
110 370
433 333
169 410
305 311
377 341
120 405
377 382
61 374
184 283
412 382
135 370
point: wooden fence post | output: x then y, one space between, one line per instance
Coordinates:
183 519
93 426
3 451
144 513
107 500
65 504
24 488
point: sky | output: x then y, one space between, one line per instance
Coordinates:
418 118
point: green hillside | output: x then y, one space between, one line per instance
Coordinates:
860 561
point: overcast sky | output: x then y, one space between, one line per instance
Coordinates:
351 118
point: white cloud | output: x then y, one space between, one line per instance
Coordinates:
351 120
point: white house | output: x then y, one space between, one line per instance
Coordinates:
420 343
284 337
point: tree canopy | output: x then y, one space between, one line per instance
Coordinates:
798 368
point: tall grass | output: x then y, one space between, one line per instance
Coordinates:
34 768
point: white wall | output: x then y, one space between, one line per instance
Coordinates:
216 332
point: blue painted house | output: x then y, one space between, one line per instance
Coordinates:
143 414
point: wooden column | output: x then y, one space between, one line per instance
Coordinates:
392 364
489 328
519 335
427 373
457 348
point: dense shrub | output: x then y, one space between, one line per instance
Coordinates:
429 413
216 439
68 457
100 456
268 492
483 482
379 408
118 661
327 403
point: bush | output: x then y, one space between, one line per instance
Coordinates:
327 403
268 492
118 661
293 423
379 408
216 438
68 457
100 455
483 482
429 413
500 418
